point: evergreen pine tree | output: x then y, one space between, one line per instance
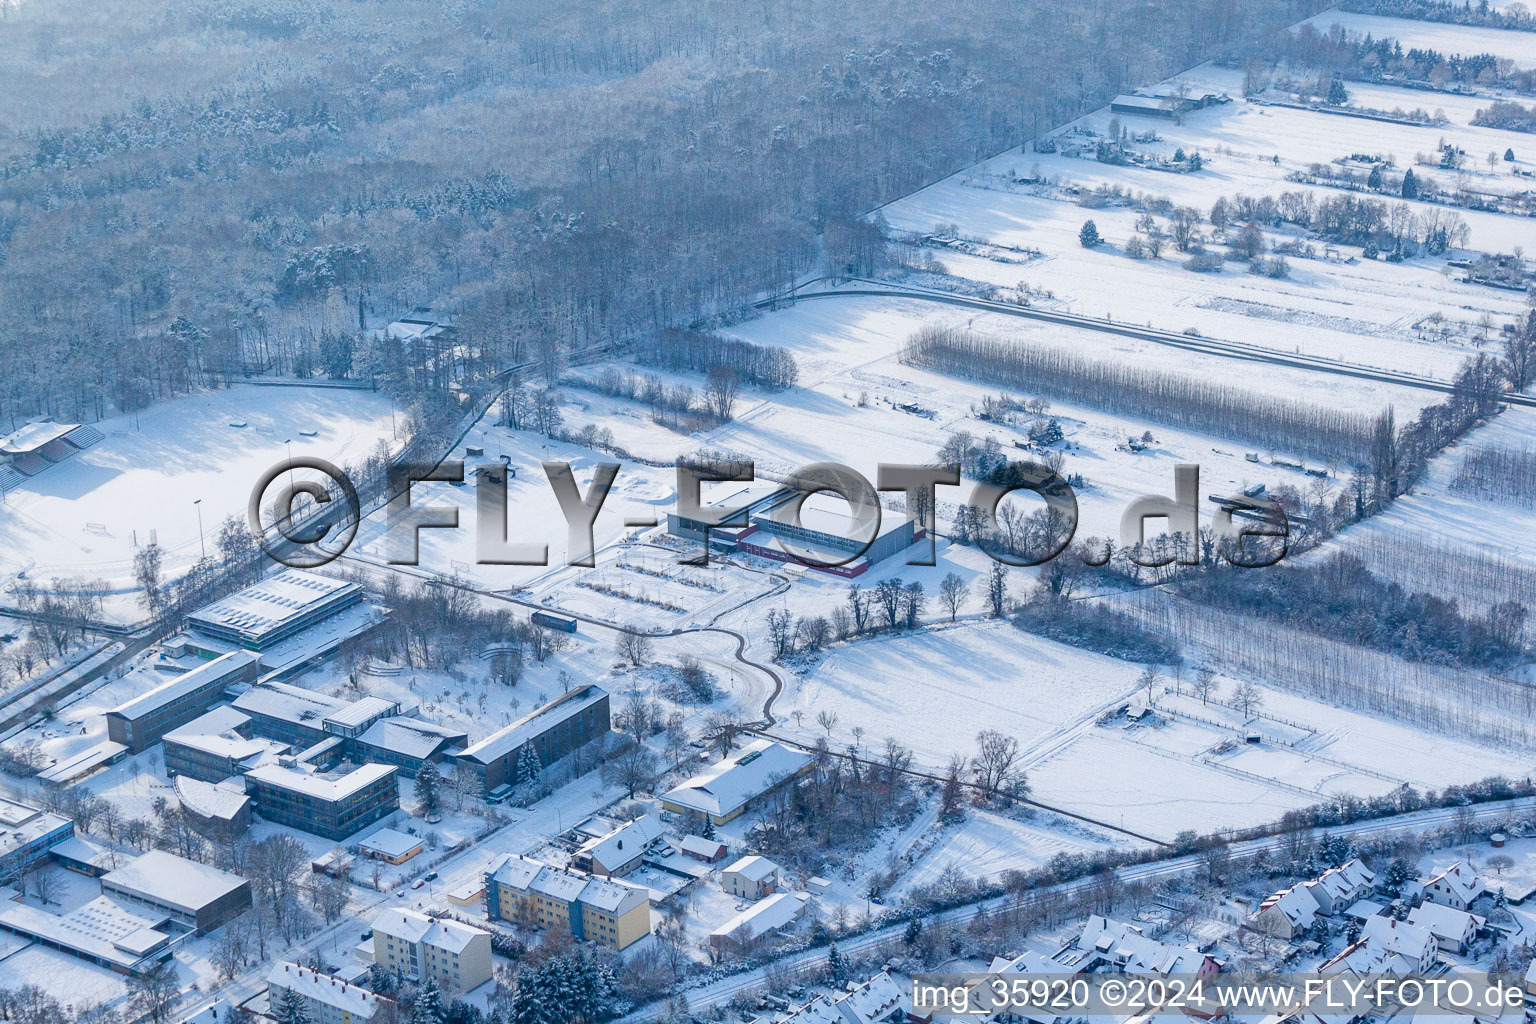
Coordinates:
1410 185
913 933
292 1009
529 767
837 970
1373 181
429 788
429 1004
1336 94
708 831
1089 235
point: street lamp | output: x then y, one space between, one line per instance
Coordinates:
198 503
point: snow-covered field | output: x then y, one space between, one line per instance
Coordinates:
1464 39
935 691
86 517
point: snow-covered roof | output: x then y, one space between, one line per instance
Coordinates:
80 850
324 989
289 703
217 733
411 737
1296 903
766 915
414 926
566 884
21 825
329 786
172 881
701 847
731 782
211 674
820 1010
1347 878
870 1002
1125 946
754 868
1445 922
209 800
279 601
33 436
1362 909
623 843
388 842
102 928
537 722
361 711
221 1011
1460 879
1386 946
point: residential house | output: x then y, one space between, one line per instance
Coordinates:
605 911
620 851
326 999
1457 887
751 878
1454 930
456 956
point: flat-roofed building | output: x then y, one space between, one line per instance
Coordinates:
551 731
330 804
216 746
141 722
724 790
27 834
275 609
288 713
600 910
326 999
456 956
127 940
195 896
408 743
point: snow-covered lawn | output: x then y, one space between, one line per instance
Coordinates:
987 843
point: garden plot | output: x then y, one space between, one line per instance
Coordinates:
86 517
935 691
642 584
986 844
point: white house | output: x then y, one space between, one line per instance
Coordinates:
1285 914
1338 888
1455 887
1454 930
870 1002
1106 943
620 851
1386 946
751 878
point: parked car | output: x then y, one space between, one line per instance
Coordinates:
418 883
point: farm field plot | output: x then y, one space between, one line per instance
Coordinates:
83 517
1480 543
1368 312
